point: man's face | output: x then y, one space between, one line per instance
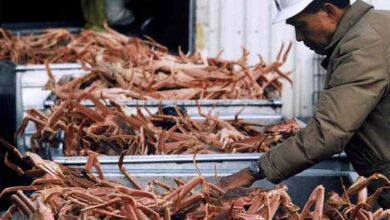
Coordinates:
315 30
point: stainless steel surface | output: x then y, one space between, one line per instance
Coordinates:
218 107
299 187
260 119
56 154
179 159
223 108
183 164
35 31
31 80
194 103
60 66
30 83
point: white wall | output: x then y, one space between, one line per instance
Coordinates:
229 25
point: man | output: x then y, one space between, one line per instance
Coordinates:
118 14
353 112
114 12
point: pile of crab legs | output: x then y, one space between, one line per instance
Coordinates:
150 76
147 76
60 192
123 68
110 131
61 46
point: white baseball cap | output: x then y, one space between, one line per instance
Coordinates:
289 8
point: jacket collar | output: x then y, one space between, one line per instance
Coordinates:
351 17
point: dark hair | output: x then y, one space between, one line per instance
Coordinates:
316 5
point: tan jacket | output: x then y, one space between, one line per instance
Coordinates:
353 112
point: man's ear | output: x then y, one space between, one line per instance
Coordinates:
331 11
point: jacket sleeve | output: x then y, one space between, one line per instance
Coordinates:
358 82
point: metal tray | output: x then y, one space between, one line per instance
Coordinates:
167 167
31 81
310 179
166 172
184 164
56 154
23 89
224 108
30 93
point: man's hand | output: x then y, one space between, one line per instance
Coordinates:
242 178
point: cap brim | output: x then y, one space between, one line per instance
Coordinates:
291 12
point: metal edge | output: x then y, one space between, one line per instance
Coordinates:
221 173
244 117
192 27
187 103
160 158
59 66
229 102
192 103
19 110
173 158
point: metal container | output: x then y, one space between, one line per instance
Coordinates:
30 81
30 90
166 168
261 112
57 155
184 164
223 108
299 187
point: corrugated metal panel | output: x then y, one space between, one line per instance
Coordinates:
282 33
232 27
256 34
229 25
